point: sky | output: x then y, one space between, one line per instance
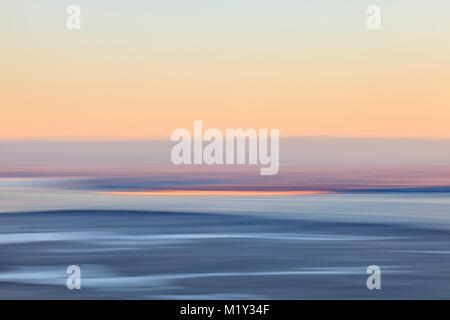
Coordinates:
146 68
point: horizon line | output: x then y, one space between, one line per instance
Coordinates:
167 138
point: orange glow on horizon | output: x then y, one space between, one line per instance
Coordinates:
213 193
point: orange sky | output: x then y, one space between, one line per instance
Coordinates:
302 76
